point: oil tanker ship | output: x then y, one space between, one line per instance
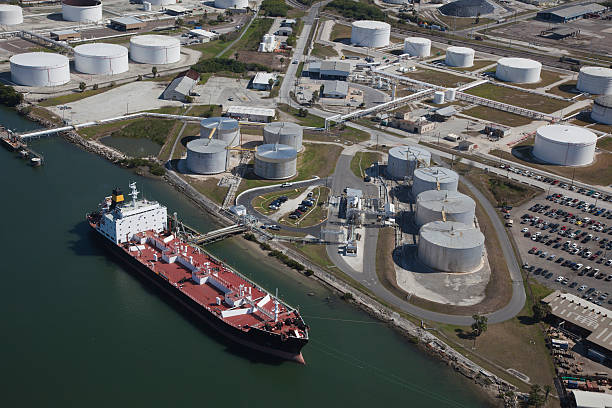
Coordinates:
138 232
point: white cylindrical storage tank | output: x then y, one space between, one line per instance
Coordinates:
10 14
595 80
275 161
155 49
162 2
450 246
40 69
146 6
449 94
101 59
518 70
230 4
287 133
460 57
225 129
602 110
404 160
456 207
434 178
417 46
369 33
565 145
206 156
83 11
438 97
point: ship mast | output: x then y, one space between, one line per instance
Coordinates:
134 193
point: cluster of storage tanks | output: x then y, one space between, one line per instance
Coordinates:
565 145
368 33
49 69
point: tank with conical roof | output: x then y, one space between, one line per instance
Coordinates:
207 156
434 178
226 129
450 246
275 161
287 133
403 160
439 205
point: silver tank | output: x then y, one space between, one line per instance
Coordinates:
206 156
225 129
403 160
434 205
434 178
287 133
275 161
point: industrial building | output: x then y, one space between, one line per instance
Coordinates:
275 161
518 70
82 11
418 126
563 14
565 145
498 131
595 80
65 35
286 133
231 4
284 31
161 2
207 156
288 22
181 86
127 23
225 129
460 57
402 161
176 10
467 8
335 89
40 69
417 47
434 178
442 205
602 110
251 114
203 35
10 14
155 49
590 399
450 246
269 43
101 59
264 81
327 70
369 33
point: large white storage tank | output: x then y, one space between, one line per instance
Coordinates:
450 246
602 110
287 133
275 161
83 11
225 129
40 69
162 2
460 57
230 4
437 205
565 145
101 59
518 70
10 14
434 178
368 33
402 161
206 156
155 49
595 80
417 46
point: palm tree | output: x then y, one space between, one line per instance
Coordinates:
479 326
547 390
154 71
236 56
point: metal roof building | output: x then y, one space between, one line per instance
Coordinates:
181 86
563 14
261 81
328 70
127 23
251 114
589 399
335 89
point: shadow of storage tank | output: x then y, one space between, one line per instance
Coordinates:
450 246
206 156
287 133
434 178
275 161
225 129
456 206
403 160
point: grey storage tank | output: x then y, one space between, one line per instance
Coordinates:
275 161
225 129
207 156
287 133
450 246
439 205
404 160
434 178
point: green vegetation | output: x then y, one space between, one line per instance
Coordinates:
212 48
315 215
156 130
208 187
252 37
300 68
362 161
497 116
228 65
438 77
261 202
275 8
515 97
286 260
10 97
323 51
304 118
71 97
355 10
340 32
205 111
605 143
155 168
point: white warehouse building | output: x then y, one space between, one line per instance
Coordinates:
155 49
369 33
565 145
82 11
101 59
518 70
40 69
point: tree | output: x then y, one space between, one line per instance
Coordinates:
547 390
94 87
540 311
139 78
236 55
179 22
535 396
477 18
282 60
154 71
188 98
82 86
270 83
315 95
479 326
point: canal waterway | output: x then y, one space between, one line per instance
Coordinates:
78 329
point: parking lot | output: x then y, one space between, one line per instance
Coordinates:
566 244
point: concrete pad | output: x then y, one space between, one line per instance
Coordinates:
356 262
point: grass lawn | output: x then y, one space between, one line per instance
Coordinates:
164 153
260 203
209 188
308 120
461 23
45 114
362 161
605 143
515 97
340 32
300 68
478 64
192 129
340 135
95 132
317 213
317 254
497 116
348 53
566 89
74 96
204 111
251 39
323 51
211 49
546 78
440 78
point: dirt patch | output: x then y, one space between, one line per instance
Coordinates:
269 59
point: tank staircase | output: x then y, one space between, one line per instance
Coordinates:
233 185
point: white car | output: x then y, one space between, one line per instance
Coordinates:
559 279
525 230
583 287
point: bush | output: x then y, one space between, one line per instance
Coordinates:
275 8
250 237
154 168
357 11
9 96
265 246
94 87
227 64
347 296
308 272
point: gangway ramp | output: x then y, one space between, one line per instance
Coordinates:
216 235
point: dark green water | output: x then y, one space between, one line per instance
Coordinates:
79 330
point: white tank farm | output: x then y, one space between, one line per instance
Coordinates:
287 133
565 145
230 4
450 246
225 129
10 14
460 57
206 156
40 69
369 33
602 110
595 80
402 161
417 46
162 2
83 11
434 178
518 70
456 207
275 161
155 49
101 59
